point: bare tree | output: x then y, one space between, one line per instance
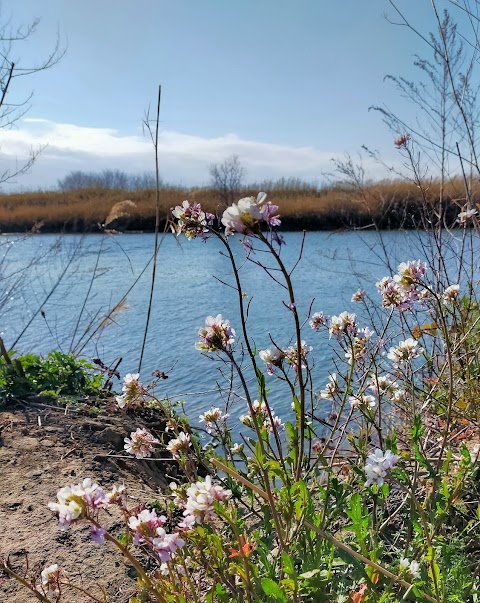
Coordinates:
227 178
12 109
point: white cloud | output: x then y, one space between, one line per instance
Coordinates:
184 158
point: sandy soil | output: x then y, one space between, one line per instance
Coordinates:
43 449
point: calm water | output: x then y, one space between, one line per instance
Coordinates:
333 266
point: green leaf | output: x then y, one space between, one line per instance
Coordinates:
272 589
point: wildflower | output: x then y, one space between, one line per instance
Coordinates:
272 358
97 534
413 567
410 272
212 417
187 523
192 221
404 352
166 545
140 443
245 216
50 576
319 319
179 444
201 497
236 449
331 388
131 390
275 423
216 336
401 141
291 354
399 396
466 215
246 547
363 400
358 296
76 501
116 494
179 494
450 294
359 345
345 323
382 384
145 524
378 463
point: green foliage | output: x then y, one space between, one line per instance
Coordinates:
57 374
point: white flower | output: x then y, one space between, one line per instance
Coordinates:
50 576
243 216
201 497
236 449
410 272
358 296
450 294
411 566
362 400
331 388
272 358
465 215
131 390
382 384
212 417
291 354
344 323
378 463
179 444
404 352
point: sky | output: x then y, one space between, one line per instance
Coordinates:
284 84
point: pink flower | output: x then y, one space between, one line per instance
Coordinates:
192 221
141 443
217 335
358 296
145 524
401 141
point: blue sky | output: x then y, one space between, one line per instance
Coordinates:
285 84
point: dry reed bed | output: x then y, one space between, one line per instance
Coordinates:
327 207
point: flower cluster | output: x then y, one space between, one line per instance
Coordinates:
319 319
403 289
358 349
192 221
212 417
413 567
345 323
132 391
217 335
362 400
201 497
147 528
450 295
178 445
358 296
466 215
140 443
382 385
292 355
78 501
331 388
260 412
404 352
246 215
378 463
401 141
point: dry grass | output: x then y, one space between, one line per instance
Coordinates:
300 205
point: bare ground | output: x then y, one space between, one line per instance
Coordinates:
43 449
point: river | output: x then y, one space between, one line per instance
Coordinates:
99 271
